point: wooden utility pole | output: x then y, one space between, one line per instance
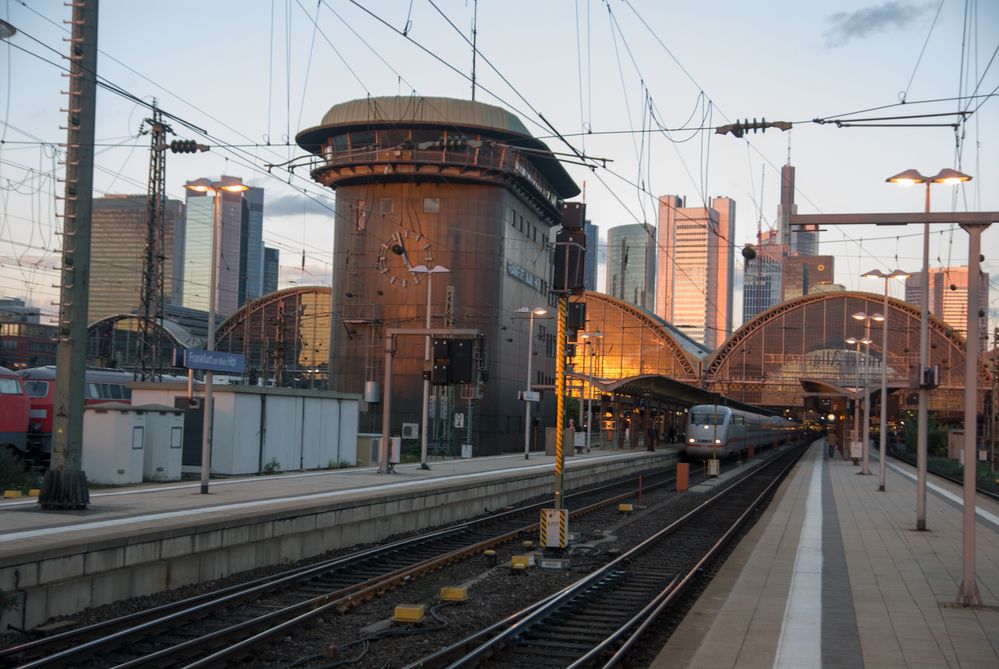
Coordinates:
65 485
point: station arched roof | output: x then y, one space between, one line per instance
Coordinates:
439 112
635 343
764 361
254 307
174 331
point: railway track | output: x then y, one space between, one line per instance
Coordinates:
598 621
909 460
219 626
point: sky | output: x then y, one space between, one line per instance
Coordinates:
638 84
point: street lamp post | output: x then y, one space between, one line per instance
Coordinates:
429 271
216 188
531 314
908 178
882 437
587 339
856 399
867 341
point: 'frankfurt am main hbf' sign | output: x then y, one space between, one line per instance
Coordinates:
213 361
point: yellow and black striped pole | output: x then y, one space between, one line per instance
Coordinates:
560 399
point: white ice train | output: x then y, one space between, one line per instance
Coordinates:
716 431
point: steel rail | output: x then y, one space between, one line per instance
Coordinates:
129 627
519 623
895 453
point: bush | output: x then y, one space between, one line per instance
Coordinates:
14 475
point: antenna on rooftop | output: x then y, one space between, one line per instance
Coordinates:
475 20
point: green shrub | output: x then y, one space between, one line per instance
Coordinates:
14 475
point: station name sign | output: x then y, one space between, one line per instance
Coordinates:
211 361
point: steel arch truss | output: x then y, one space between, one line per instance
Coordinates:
634 342
764 360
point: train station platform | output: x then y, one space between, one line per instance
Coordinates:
142 539
834 574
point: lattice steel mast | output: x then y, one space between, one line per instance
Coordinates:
147 351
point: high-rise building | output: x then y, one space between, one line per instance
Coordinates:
592 241
695 266
799 240
803 274
118 243
787 264
761 284
949 296
14 310
630 271
271 264
251 246
240 249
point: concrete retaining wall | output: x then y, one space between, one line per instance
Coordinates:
66 580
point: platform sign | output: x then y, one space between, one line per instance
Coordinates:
212 361
554 528
714 466
459 419
529 395
856 449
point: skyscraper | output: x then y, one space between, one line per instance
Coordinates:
695 264
118 242
949 296
787 264
592 241
631 264
251 246
271 264
761 285
240 249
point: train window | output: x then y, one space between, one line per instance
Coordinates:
126 392
116 392
92 392
10 387
707 418
37 388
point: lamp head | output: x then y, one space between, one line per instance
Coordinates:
6 30
201 185
861 316
907 178
949 176
877 317
866 341
851 340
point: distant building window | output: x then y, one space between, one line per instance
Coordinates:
431 205
385 205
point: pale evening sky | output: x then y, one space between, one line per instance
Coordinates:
255 72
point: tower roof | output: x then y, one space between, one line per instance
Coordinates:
439 112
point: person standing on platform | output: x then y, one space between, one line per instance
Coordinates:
831 443
652 437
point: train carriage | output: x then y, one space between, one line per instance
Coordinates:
14 405
717 431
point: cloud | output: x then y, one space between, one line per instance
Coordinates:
864 22
294 204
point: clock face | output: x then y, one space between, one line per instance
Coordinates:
403 250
